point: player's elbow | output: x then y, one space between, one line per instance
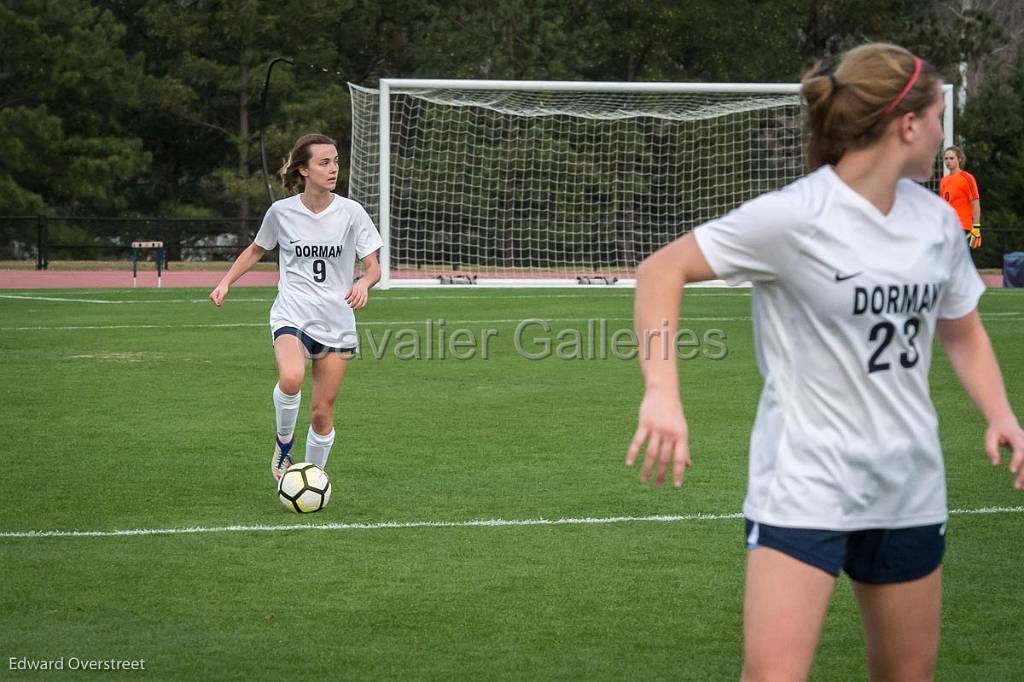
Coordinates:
656 273
648 268
255 252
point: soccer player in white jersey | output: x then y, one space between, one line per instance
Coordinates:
319 236
854 268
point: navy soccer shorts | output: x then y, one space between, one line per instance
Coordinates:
313 347
875 556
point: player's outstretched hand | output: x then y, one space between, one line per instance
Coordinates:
219 294
1007 433
357 296
663 428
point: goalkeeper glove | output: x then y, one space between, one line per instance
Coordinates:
974 239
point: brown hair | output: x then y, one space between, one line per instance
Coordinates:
851 107
961 157
299 158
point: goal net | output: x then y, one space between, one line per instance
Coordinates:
529 182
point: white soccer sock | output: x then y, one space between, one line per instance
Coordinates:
286 409
318 447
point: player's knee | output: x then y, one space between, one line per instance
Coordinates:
290 381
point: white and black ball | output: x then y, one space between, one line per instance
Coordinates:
304 488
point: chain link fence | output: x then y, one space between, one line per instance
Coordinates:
46 238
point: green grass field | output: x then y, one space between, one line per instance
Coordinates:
147 409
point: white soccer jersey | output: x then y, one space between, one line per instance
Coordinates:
845 303
317 259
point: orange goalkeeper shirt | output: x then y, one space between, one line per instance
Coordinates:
960 189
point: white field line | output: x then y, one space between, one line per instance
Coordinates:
54 299
436 323
404 525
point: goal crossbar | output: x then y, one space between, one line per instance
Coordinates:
412 84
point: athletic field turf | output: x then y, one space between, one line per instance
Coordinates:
483 525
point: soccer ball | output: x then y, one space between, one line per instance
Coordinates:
304 488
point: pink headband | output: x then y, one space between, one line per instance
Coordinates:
906 88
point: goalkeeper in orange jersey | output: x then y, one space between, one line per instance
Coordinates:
960 189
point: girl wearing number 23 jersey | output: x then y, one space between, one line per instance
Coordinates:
854 268
319 236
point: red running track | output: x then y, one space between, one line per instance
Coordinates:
119 279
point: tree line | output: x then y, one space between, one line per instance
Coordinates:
151 107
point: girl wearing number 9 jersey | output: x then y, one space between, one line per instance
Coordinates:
319 236
854 268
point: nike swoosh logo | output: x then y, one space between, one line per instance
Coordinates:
293 241
843 278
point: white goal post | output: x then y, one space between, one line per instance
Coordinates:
557 182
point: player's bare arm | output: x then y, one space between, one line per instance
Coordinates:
970 352
359 294
248 258
659 289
